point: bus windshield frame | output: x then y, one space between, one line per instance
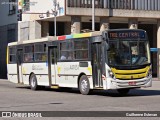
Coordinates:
127 49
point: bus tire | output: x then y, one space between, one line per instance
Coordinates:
84 85
33 82
123 91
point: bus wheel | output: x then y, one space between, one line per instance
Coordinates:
33 82
123 91
84 86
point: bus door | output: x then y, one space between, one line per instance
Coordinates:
52 64
19 65
97 64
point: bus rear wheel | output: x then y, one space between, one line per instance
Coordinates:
124 91
84 85
33 82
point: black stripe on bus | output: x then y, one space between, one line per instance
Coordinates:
12 74
70 75
57 74
36 74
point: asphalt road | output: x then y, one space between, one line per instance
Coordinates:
14 97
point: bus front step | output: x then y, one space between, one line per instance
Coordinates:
54 86
99 88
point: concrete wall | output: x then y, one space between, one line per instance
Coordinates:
23 31
29 30
35 30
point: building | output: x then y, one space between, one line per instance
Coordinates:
38 21
8 30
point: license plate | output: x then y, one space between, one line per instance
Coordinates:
132 83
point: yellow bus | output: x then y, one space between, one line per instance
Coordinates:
112 59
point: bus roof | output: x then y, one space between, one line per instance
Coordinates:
52 38
29 41
65 37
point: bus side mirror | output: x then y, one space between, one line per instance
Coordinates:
105 37
107 47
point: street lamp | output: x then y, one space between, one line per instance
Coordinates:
93 15
55 12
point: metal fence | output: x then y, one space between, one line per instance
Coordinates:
117 4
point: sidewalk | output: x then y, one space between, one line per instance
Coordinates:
155 79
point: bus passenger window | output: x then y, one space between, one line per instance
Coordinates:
70 56
85 55
40 52
28 53
26 58
63 57
44 57
12 55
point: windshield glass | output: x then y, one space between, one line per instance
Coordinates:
128 52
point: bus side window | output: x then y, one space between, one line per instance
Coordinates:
70 56
81 49
12 55
85 55
26 58
40 52
63 57
28 53
44 57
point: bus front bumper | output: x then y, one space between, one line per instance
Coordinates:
117 84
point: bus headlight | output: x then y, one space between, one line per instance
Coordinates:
149 72
110 74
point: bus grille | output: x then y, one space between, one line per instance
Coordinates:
130 74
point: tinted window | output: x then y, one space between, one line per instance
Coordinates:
12 55
29 53
74 49
40 52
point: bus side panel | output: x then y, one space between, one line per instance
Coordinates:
67 77
90 82
68 73
43 80
39 69
12 73
26 79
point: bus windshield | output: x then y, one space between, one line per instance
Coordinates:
128 52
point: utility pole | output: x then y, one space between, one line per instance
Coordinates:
55 12
93 15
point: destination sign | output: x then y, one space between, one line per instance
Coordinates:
126 34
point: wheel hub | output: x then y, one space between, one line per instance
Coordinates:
33 82
84 85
